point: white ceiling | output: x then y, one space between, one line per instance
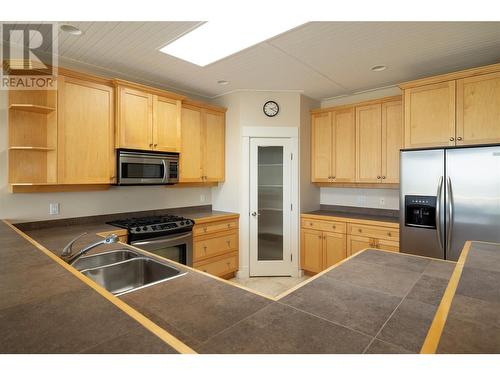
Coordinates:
320 59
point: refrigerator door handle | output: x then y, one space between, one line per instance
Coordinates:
438 212
449 217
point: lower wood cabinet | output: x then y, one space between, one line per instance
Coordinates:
326 240
215 247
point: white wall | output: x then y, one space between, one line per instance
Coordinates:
309 193
30 207
373 198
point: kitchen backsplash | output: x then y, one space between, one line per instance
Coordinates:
373 198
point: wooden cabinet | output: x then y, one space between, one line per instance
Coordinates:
215 246
369 143
460 108
202 156
321 249
430 115
362 236
147 119
379 137
333 146
85 132
357 144
392 140
166 124
326 240
478 109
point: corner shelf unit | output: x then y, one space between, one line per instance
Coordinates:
32 137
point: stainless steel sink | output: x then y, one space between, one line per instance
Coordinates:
103 259
132 274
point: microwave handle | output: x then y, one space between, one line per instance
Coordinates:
165 173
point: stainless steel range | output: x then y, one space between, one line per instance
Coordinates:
167 236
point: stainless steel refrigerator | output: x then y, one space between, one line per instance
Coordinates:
449 196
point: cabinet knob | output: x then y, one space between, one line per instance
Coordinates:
383 177
229 225
311 224
378 177
359 230
389 234
205 229
459 138
452 139
156 144
205 249
333 226
320 237
228 264
228 243
150 145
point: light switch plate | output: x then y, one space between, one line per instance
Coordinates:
54 208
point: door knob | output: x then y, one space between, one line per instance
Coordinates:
255 214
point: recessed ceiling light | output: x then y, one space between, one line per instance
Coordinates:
70 29
378 68
223 82
214 40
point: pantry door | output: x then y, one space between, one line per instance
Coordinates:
270 207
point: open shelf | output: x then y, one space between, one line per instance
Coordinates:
32 108
271 186
30 148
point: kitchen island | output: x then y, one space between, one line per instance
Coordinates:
373 302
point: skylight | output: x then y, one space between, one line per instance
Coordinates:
214 40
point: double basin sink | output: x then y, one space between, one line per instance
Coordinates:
124 271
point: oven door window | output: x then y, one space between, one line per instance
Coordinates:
139 170
176 253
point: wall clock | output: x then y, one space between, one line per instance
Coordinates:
271 108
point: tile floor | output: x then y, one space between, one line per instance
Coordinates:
271 286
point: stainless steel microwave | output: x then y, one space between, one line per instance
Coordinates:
147 167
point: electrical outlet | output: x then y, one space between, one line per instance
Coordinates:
382 202
54 208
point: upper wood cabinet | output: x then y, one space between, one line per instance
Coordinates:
379 137
369 143
147 119
392 140
202 156
478 109
430 115
357 144
166 124
85 132
333 146
460 108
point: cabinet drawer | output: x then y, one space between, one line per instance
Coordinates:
327 226
374 232
206 247
200 229
220 266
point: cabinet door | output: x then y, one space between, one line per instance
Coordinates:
321 148
478 109
344 146
135 125
85 132
190 167
387 245
311 250
392 140
334 248
166 124
214 138
369 143
358 243
430 115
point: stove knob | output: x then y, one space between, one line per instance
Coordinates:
153 227
137 229
182 223
144 228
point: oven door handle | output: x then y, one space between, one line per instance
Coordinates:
171 239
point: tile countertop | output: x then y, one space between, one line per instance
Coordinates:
473 321
357 213
373 302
